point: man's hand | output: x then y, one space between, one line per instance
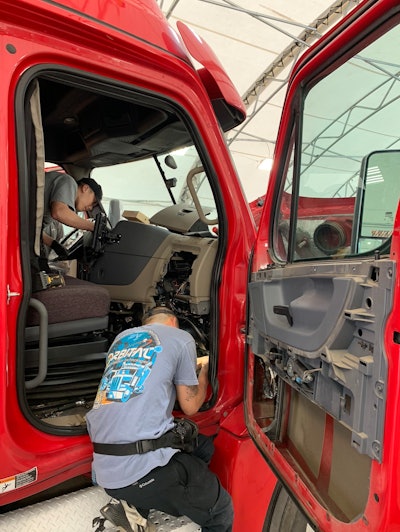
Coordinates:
200 363
60 250
190 398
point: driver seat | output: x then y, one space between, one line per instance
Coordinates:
77 307
66 343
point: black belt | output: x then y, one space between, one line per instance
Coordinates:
125 449
183 436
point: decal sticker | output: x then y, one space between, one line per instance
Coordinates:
18 481
380 233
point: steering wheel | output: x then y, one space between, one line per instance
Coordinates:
99 233
80 242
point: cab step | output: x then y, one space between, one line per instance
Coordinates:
76 512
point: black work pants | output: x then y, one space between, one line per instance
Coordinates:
185 486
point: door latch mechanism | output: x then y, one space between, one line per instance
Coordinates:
11 294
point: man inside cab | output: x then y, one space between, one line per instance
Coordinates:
63 199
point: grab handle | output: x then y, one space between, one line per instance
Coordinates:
43 332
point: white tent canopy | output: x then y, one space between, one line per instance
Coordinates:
257 43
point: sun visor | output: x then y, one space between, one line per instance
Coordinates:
226 101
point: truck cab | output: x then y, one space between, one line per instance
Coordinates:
299 319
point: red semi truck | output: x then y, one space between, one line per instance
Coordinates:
299 316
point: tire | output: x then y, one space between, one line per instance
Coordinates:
283 514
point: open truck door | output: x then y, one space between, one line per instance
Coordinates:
323 338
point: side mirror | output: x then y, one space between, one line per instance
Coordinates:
170 162
377 199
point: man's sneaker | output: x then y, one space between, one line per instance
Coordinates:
126 517
135 519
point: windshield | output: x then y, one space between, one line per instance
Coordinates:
151 185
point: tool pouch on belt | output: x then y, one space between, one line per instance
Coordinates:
182 436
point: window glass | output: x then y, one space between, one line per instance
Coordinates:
347 200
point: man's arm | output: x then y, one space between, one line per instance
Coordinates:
62 213
47 239
52 243
190 398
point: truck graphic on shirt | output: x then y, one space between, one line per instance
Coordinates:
125 382
129 366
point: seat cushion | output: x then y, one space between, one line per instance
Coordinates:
76 300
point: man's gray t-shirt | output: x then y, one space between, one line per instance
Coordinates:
58 187
136 397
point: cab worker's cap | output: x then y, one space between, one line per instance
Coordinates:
98 192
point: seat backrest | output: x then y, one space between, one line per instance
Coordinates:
115 212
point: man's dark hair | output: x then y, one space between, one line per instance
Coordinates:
157 310
98 192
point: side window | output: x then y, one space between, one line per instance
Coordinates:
346 180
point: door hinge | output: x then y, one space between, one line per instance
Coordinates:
11 294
